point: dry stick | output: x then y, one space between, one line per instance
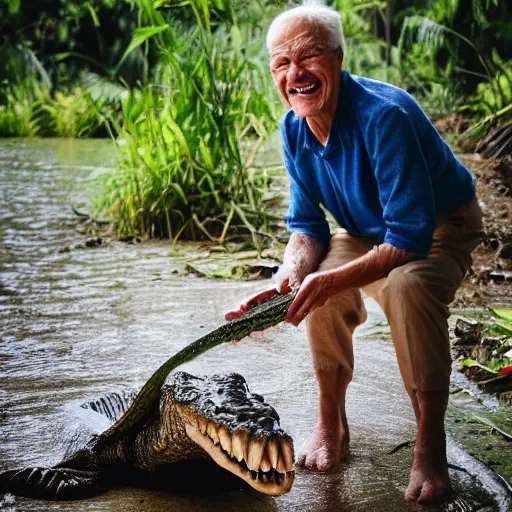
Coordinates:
176 238
265 234
398 447
248 225
252 155
243 133
169 229
203 229
226 225
80 214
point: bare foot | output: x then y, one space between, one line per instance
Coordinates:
429 480
326 447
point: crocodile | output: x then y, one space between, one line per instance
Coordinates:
189 418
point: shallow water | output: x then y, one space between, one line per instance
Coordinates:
82 323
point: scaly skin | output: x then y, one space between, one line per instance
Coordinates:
165 425
214 417
261 317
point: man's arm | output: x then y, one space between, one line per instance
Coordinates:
301 257
318 287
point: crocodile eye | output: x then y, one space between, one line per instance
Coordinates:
258 397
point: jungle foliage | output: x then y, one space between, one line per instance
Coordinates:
183 87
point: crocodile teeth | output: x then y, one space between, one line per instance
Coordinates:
212 432
203 423
225 439
281 467
239 445
256 448
273 451
265 463
287 452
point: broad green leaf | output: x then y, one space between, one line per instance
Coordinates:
180 192
206 156
504 313
179 135
469 363
236 38
140 35
500 327
93 14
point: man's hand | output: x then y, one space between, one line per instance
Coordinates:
255 300
313 293
318 287
301 257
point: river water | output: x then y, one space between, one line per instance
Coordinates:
82 322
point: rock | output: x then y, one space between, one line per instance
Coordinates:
506 397
468 330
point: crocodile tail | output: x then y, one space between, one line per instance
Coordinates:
52 483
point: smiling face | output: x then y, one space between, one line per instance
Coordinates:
305 69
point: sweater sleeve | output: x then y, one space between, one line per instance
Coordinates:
404 182
304 213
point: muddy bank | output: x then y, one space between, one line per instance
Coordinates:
83 322
490 279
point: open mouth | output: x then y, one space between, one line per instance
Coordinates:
266 464
307 89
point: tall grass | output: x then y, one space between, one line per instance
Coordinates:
182 172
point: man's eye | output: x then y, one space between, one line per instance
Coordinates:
280 64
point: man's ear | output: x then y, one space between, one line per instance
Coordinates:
339 54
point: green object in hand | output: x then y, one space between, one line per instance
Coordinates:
262 316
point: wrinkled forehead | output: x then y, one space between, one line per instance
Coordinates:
298 35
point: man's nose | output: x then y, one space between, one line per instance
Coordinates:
295 71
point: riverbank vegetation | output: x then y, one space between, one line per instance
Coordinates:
484 351
184 90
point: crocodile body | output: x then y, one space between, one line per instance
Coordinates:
191 418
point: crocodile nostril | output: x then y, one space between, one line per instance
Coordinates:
266 423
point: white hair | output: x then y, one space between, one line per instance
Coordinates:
316 13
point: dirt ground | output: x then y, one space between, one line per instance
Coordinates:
489 281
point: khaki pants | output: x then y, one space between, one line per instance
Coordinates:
414 297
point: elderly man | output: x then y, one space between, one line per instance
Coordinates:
365 151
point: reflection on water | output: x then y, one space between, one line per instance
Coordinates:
82 323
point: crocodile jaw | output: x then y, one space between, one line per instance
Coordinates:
214 451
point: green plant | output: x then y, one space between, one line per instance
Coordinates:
182 172
19 115
448 43
72 115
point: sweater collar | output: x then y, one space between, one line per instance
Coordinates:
341 129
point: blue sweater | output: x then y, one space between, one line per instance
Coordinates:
385 171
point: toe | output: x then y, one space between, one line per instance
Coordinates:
321 460
413 492
326 460
430 492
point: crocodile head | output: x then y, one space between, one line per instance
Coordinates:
237 429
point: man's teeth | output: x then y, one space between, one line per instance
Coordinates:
305 89
258 454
